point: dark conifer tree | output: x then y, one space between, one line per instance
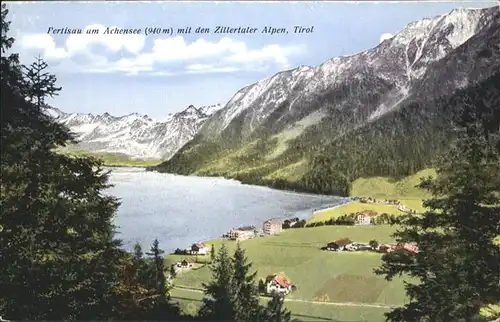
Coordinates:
138 253
245 288
458 264
173 272
145 274
275 310
218 303
162 309
40 84
156 254
212 253
59 257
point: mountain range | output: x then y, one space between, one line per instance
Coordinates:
386 111
135 135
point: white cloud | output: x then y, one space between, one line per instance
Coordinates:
200 68
386 36
223 56
78 43
45 43
163 74
132 43
272 52
228 50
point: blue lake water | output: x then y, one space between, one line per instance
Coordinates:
180 210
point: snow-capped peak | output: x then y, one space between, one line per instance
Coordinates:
133 134
54 112
396 61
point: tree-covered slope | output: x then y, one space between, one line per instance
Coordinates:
398 144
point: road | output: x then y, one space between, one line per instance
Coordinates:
382 306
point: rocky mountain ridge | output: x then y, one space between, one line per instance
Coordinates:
387 71
135 135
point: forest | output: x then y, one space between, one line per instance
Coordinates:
399 144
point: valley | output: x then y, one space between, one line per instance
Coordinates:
348 290
133 136
110 159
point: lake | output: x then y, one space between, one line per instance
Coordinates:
181 210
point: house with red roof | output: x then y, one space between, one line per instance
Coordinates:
278 283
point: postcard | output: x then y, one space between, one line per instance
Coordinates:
250 161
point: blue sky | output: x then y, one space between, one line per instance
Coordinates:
160 74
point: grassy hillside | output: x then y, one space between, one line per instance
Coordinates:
112 159
321 293
353 207
388 188
190 301
405 190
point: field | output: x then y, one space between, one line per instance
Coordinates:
404 190
330 286
190 302
353 207
111 159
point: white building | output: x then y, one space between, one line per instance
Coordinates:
278 284
272 227
199 249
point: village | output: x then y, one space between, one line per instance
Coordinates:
278 282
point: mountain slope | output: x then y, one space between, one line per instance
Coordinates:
385 111
135 135
368 83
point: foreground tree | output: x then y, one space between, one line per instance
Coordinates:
161 283
130 298
138 253
275 310
212 253
39 83
373 244
245 288
59 259
458 264
233 294
161 307
218 303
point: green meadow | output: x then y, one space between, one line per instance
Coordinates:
353 207
330 286
333 286
111 159
405 189
190 301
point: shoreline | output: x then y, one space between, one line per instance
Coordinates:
334 207
123 166
262 184
209 240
